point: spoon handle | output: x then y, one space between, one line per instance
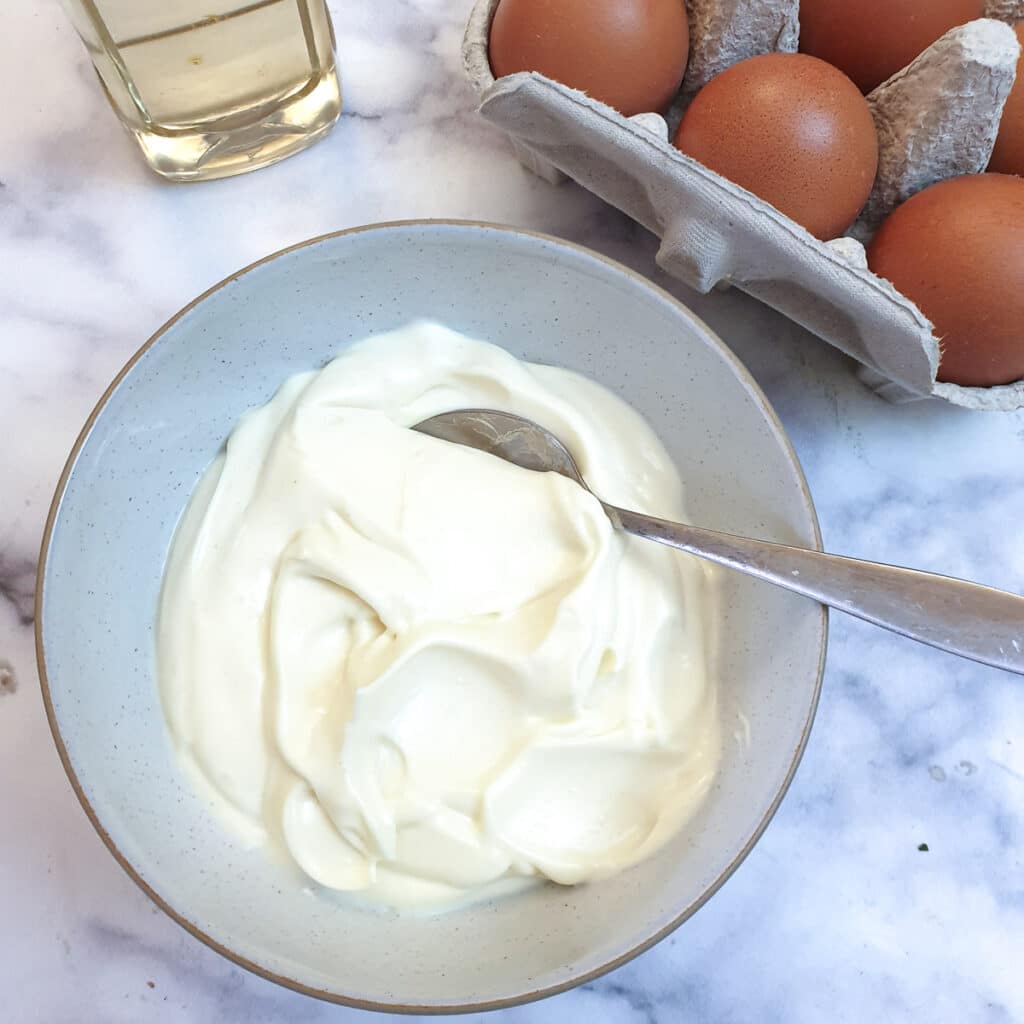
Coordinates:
964 618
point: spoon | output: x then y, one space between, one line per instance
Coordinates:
954 615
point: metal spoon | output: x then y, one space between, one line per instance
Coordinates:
963 618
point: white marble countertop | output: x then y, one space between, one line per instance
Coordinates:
839 913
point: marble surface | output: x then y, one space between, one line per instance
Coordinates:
840 912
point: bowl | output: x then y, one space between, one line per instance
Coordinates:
164 418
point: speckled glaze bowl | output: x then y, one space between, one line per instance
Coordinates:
164 418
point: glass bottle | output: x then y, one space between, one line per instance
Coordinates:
210 88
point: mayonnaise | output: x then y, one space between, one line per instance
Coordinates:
419 671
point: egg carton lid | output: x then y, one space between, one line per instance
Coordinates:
715 233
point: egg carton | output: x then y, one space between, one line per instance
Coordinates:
936 119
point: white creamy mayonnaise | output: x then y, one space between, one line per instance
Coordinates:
424 673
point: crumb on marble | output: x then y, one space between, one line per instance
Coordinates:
8 683
151 984
923 847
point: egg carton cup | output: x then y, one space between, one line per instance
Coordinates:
1010 11
937 119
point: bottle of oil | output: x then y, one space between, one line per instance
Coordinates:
210 88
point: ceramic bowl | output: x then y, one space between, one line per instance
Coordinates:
162 421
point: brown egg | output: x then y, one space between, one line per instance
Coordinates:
870 40
630 54
957 250
792 130
1008 156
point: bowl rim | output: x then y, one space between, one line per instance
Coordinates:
753 391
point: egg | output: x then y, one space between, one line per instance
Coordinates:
792 130
957 250
1008 156
870 40
630 54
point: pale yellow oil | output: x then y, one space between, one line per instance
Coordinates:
214 87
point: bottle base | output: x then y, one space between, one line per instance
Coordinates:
206 152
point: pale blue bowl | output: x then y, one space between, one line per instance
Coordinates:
161 422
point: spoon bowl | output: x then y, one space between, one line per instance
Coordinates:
512 438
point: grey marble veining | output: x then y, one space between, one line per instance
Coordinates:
839 913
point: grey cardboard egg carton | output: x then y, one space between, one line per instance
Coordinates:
937 119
